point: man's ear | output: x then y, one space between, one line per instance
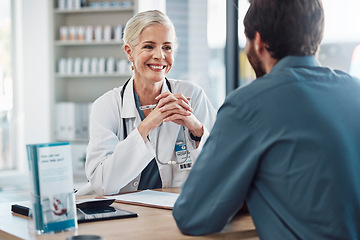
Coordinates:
128 52
260 46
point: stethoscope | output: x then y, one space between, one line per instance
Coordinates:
158 128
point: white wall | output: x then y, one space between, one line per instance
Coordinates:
341 21
36 79
144 5
32 81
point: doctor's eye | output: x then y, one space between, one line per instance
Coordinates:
167 48
148 47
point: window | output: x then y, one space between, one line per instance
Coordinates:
200 29
355 62
340 48
6 86
246 72
341 36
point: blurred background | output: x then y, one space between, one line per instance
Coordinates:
48 79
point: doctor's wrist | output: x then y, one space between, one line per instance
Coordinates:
144 130
196 134
196 139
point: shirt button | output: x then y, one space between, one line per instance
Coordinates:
136 183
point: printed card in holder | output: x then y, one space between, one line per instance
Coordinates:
53 201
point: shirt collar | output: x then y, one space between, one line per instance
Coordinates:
295 61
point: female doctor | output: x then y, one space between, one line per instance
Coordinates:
139 132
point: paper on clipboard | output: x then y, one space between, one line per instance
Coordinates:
148 198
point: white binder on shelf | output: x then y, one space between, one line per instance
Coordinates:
72 121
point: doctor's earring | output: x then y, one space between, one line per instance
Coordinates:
132 67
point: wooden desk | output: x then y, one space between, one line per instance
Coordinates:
152 223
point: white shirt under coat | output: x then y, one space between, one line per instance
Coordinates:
114 164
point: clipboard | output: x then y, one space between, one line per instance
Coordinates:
147 198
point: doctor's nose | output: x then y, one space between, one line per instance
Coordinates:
159 53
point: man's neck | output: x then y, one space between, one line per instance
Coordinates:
269 63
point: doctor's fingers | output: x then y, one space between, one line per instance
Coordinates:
163 95
178 104
167 97
186 100
182 97
176 114
156 116
180 119
190 122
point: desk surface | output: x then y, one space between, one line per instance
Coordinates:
152 223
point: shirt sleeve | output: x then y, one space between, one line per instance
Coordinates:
218 183
112 163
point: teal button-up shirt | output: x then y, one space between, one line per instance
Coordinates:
288 144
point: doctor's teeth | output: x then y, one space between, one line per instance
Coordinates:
157 67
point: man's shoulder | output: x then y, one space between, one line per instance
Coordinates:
289 78
255 89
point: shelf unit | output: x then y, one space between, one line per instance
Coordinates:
83 88
105 75
93 10
86 88
83 43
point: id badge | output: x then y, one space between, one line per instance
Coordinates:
181 156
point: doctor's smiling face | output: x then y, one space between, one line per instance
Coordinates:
153 55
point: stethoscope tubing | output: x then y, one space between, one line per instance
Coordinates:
158 131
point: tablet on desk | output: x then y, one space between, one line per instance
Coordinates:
91 210
102 213
88 210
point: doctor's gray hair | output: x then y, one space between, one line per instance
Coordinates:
142 20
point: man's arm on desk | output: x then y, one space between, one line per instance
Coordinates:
218 183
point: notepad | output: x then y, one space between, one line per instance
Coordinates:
149 198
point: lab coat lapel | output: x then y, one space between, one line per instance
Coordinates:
129 110
128 103
165 87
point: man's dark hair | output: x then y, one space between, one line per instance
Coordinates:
288 27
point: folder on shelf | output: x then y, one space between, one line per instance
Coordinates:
72 121
65 121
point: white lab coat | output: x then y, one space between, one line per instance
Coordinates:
114 164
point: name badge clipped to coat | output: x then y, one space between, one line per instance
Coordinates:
183 156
